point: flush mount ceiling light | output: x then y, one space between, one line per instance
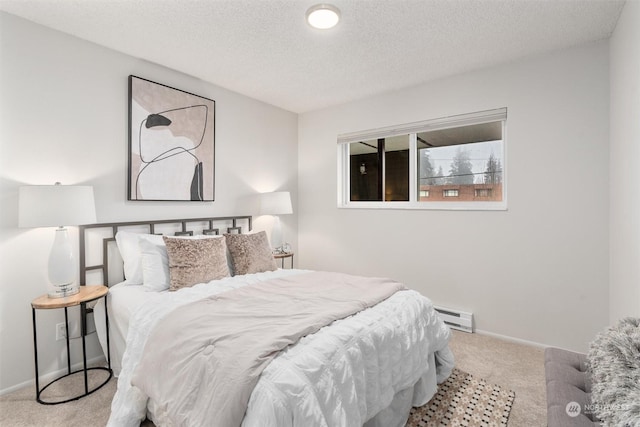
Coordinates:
323 16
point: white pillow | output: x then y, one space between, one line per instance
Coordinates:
129 246
155 265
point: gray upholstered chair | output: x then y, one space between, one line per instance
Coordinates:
568 382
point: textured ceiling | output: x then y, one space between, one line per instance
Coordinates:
264 48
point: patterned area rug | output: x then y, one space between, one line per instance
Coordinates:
463 400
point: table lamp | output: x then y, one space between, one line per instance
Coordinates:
56 206
276 203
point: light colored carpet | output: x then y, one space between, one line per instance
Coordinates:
20 409
513 366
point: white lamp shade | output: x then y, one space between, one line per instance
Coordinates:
55 205
276 203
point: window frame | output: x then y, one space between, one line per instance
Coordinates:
412 129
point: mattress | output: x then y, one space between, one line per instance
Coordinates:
123 300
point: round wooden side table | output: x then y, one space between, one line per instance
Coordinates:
282 256
86 294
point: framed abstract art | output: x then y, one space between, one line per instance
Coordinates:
171 143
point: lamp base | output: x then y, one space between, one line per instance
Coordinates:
61 291
285 248
61 267
276 233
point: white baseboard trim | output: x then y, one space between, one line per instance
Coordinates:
511 339
50 376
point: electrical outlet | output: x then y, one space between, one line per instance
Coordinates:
61 331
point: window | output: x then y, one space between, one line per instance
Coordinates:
454 162
380 169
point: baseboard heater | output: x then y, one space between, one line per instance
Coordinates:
456 319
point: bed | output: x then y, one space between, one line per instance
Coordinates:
367 365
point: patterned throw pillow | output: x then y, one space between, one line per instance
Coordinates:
193 261
250 253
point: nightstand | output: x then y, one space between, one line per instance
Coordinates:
86 294
283 256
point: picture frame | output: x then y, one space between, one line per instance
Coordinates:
171 144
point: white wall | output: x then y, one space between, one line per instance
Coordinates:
64 118
624 292
537 272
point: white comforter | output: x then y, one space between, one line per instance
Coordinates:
342 375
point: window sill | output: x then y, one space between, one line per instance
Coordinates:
428 206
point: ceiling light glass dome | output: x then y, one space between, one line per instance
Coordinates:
323 16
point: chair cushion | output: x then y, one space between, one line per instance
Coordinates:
568 389
557 416
571 358
556 371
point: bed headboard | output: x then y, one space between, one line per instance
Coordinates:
98 248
